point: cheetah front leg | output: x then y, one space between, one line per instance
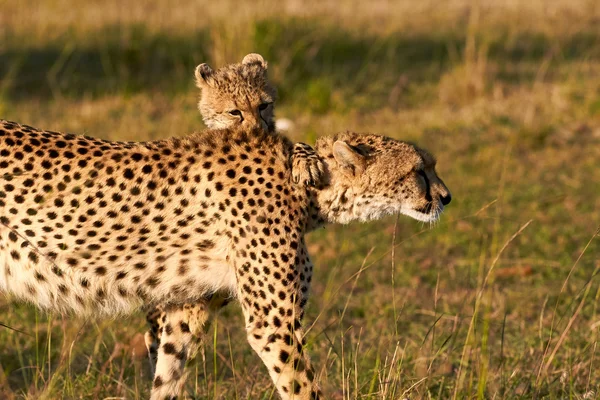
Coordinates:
279 342
179 338
274 329
307 167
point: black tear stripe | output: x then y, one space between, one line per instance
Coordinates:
428 186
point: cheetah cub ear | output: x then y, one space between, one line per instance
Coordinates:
255 58
350 161
204 76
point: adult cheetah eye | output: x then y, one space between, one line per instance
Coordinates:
424 176
235 113
427 184
264 106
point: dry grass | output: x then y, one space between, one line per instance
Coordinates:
505 93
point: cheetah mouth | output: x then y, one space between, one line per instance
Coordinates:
426 209
429 213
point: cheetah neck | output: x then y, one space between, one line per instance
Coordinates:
335 201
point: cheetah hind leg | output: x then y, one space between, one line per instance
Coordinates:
180 337
155 317
196 316
307 167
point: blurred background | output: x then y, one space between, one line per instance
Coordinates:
500 299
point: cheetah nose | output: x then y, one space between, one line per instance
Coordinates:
446 199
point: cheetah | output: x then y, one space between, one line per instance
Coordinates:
236 95
96 227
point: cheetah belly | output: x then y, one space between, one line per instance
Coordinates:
31 276
188 282
72 283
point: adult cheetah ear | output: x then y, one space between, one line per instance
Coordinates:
351 162
204 76
255 58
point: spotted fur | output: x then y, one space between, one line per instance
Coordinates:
94 227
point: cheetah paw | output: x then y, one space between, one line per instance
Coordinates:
307 167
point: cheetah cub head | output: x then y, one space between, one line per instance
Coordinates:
371 176
237 95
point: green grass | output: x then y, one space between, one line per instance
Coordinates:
499 300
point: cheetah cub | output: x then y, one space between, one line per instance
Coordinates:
95 227
241 95
236 95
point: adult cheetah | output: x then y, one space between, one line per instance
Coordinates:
90 226
236 95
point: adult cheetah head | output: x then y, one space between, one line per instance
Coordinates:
371 176
237 95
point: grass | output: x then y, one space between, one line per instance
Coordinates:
501 299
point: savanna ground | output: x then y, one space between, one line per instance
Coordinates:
500 299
